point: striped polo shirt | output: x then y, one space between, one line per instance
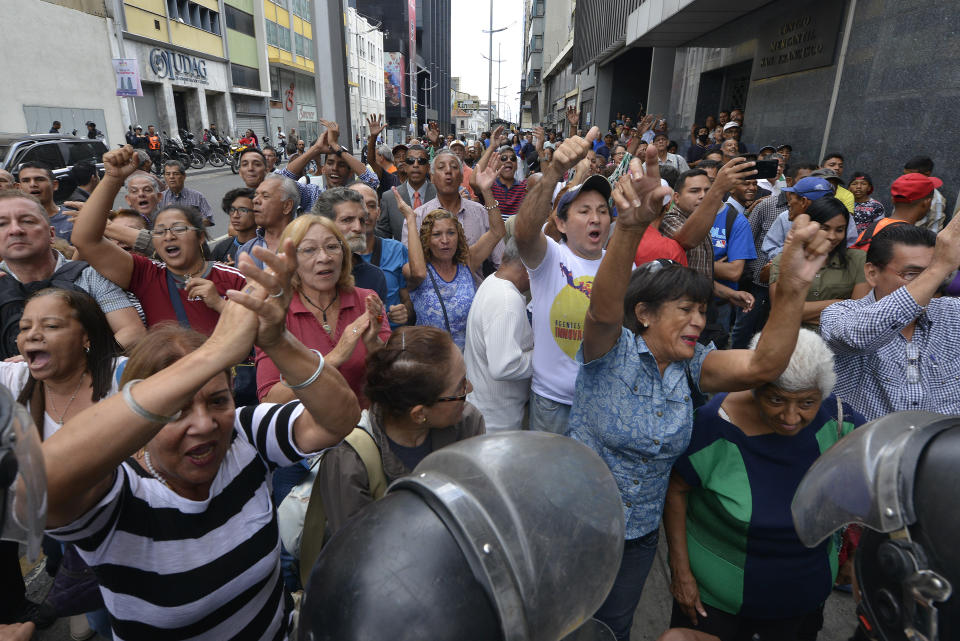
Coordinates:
172 568
509 198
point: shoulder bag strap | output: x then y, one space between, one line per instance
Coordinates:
377 251
361 441
446 321
175 300
839 419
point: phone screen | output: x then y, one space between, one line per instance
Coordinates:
767 169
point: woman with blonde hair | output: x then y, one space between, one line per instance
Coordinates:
327 312
443 291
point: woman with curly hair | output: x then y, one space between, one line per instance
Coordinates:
443 292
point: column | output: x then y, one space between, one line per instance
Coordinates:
661 80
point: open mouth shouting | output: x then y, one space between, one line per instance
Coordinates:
37 359
203 454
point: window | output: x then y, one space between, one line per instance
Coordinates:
194 15
80 151
538 43
245 76
538 8
278 36
239 20
48 153
304 46
303 9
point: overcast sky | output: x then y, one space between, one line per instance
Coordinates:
469 19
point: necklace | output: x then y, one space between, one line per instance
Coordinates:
153 472
323 310
70 402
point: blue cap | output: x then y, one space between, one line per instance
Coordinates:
811 188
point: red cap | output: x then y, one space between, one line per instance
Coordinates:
910 187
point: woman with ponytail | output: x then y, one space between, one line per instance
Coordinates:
417 385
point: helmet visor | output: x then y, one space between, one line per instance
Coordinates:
25 507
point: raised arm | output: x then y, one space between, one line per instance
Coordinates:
638 198
538 204
88 231
484 246
738 369
701 220
416 268
375 126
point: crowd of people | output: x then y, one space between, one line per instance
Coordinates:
708 323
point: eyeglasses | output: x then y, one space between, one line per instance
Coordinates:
333 249
417 161
239 210
452 399
913 359
176 230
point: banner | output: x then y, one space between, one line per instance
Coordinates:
128 77
394 79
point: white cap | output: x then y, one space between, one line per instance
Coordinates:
668 197
731 124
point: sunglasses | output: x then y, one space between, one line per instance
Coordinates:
507 158
451 399
417 161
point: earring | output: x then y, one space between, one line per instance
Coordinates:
86 350
645 325
423 419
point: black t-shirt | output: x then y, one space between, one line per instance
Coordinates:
411 456
369 276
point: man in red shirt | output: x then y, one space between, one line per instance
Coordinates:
655 245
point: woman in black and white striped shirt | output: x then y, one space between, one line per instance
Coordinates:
182 534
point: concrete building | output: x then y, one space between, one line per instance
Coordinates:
181 50
867 78
561 85
531 110
365 73
67 79
292 55
416 48
249 71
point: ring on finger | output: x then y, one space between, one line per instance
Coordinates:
637 203
278 294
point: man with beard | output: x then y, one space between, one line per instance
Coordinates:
447 174
346 209
339 166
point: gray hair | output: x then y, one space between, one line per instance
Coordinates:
143 174
446 152
289 188
176 163
511 253
142 157
327 202
386 152
810 367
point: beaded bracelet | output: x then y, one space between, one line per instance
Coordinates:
140 411
309 380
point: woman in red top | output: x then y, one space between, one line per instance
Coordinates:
197 285
327 313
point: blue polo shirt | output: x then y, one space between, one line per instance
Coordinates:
738 247
393 256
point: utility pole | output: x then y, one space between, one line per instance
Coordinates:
498 60
490 68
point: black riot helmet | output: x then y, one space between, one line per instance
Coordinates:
898 476
23 478
515 536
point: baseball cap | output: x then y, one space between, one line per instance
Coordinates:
784 146
910 187
731 125
398 147
770 147
829 174
595 183
811 188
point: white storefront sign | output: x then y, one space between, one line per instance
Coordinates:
306 113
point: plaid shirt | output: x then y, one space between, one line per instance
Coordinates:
761 220
700 257
187 197
873 358
310 192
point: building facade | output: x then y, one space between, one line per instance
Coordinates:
365 74
67 79
292 55
531 109
249 71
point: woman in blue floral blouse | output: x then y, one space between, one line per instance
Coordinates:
643 368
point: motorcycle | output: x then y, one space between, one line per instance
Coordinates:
197 160
234 156
172 150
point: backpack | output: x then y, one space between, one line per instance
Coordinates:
866 237
14 295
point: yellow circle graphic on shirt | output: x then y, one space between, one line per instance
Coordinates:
567 313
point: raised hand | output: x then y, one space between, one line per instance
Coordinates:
433 133
539 135
639 195
332 134
375 125
804 253
270 290
497 135
734 173
488 176
374 308
120 163
573 116
572 151
404 208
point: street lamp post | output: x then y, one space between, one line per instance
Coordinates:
490 68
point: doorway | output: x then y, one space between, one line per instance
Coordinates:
180 106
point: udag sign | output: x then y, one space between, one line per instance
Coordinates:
799 39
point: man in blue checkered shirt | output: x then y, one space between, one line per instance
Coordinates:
898 348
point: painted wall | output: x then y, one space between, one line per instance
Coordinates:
74 73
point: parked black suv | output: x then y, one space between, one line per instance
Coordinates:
59 151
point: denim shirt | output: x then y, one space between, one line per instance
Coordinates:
637 421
